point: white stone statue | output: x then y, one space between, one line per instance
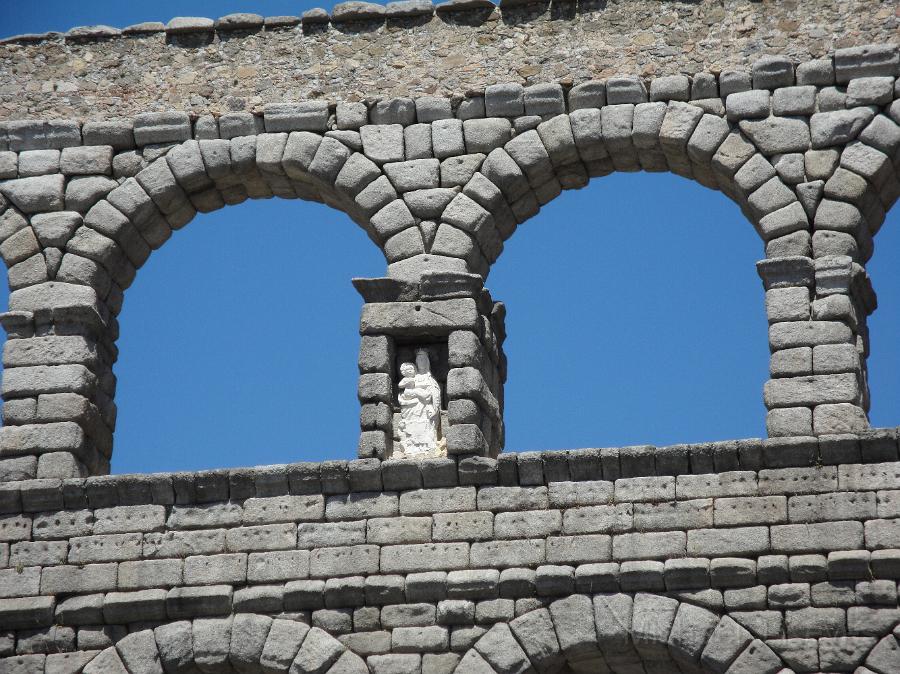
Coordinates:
420 410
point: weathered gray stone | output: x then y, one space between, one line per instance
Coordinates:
227 568
727 640
591 94
161 127
139 653
748 104
35 195
504 100
19 247
40 135
55 229
818 72
790 167
354 560
428 556
383 143
86 160
865 61
189 24
838 127
501 650
303 116
394 111
418 174
484 135
574 622
544 99
174 642
116 133
183 602
670 88
621 90
393 218
417 140
776 135
351 115
38 162
318 652
107 661
282 644
770 72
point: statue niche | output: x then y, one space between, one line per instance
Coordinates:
418 425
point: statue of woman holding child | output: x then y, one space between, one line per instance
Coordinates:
420 410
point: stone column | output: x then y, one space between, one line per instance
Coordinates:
843 294
456 320
818 345
58 386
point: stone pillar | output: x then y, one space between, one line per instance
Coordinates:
58 385
818 345
843 294
454 318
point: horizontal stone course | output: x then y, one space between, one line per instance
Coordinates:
770 481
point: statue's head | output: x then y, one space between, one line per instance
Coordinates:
423 363
408 370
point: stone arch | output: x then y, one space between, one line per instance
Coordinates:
851 183
815 185
69 269
138 216
245 642
566 151
615 632
439 187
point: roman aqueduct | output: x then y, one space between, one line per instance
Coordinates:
439 130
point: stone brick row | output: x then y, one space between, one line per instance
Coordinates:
743 94
652 561
800 495
723 469
450 514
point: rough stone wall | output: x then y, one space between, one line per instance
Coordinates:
716 557
200 70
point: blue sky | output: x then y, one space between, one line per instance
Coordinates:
635 315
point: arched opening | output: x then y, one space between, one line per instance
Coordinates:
634 315
620 633
472 215
884 326
238 345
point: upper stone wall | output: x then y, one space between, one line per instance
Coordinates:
201 68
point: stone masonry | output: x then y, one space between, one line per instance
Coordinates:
745 556
366 52
750 556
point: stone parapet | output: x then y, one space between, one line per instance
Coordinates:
708 469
